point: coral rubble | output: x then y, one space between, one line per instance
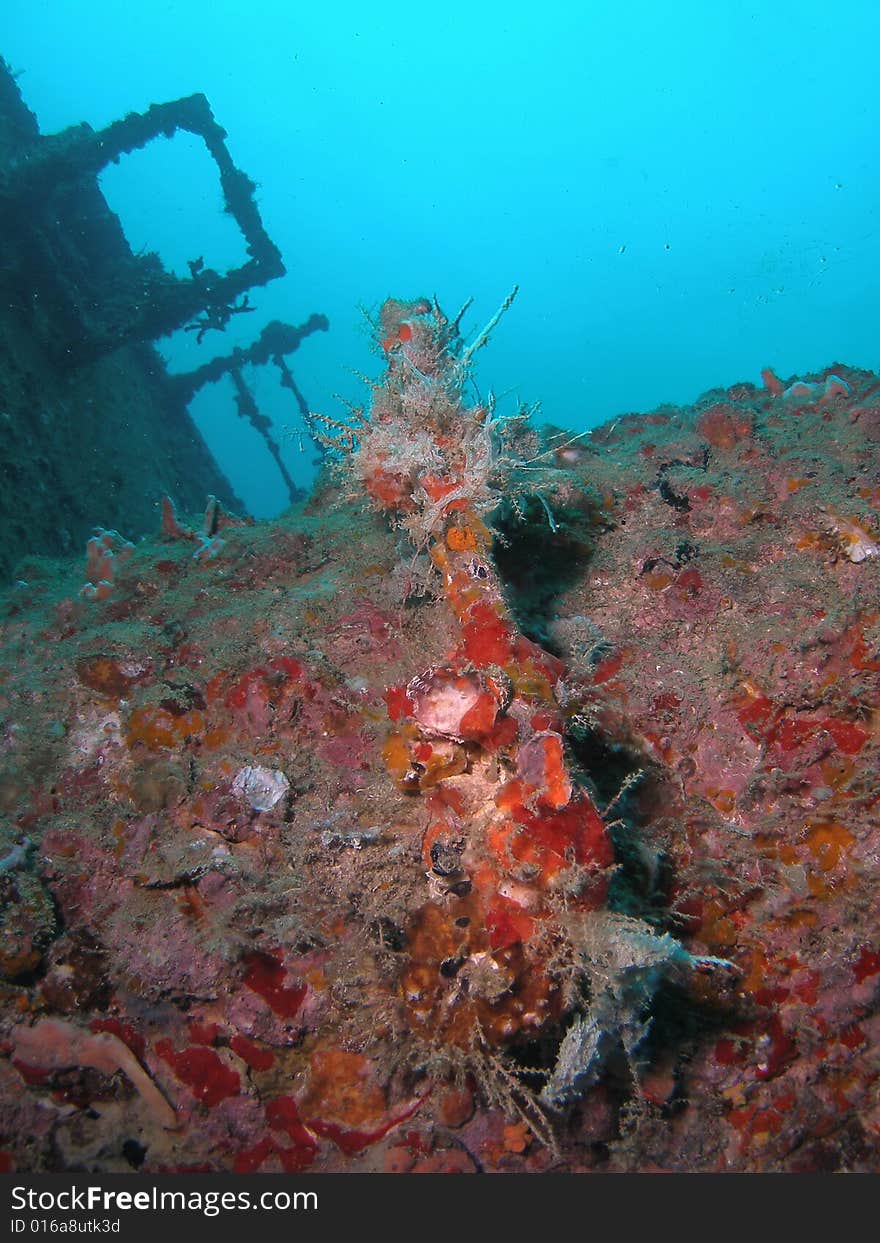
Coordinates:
534 829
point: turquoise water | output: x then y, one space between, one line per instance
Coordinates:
685 193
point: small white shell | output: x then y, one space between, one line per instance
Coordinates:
855 542
262 788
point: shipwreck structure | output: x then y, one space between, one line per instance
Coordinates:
93 427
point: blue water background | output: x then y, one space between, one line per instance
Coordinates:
685 192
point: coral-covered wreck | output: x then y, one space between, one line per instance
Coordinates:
533 829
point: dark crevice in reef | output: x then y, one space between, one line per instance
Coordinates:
538 563
608 764
632 787
681 1022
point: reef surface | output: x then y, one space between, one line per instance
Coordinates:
280 888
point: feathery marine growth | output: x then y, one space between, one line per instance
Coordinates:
514 937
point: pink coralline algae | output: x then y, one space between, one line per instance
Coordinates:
51 1045
534 828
